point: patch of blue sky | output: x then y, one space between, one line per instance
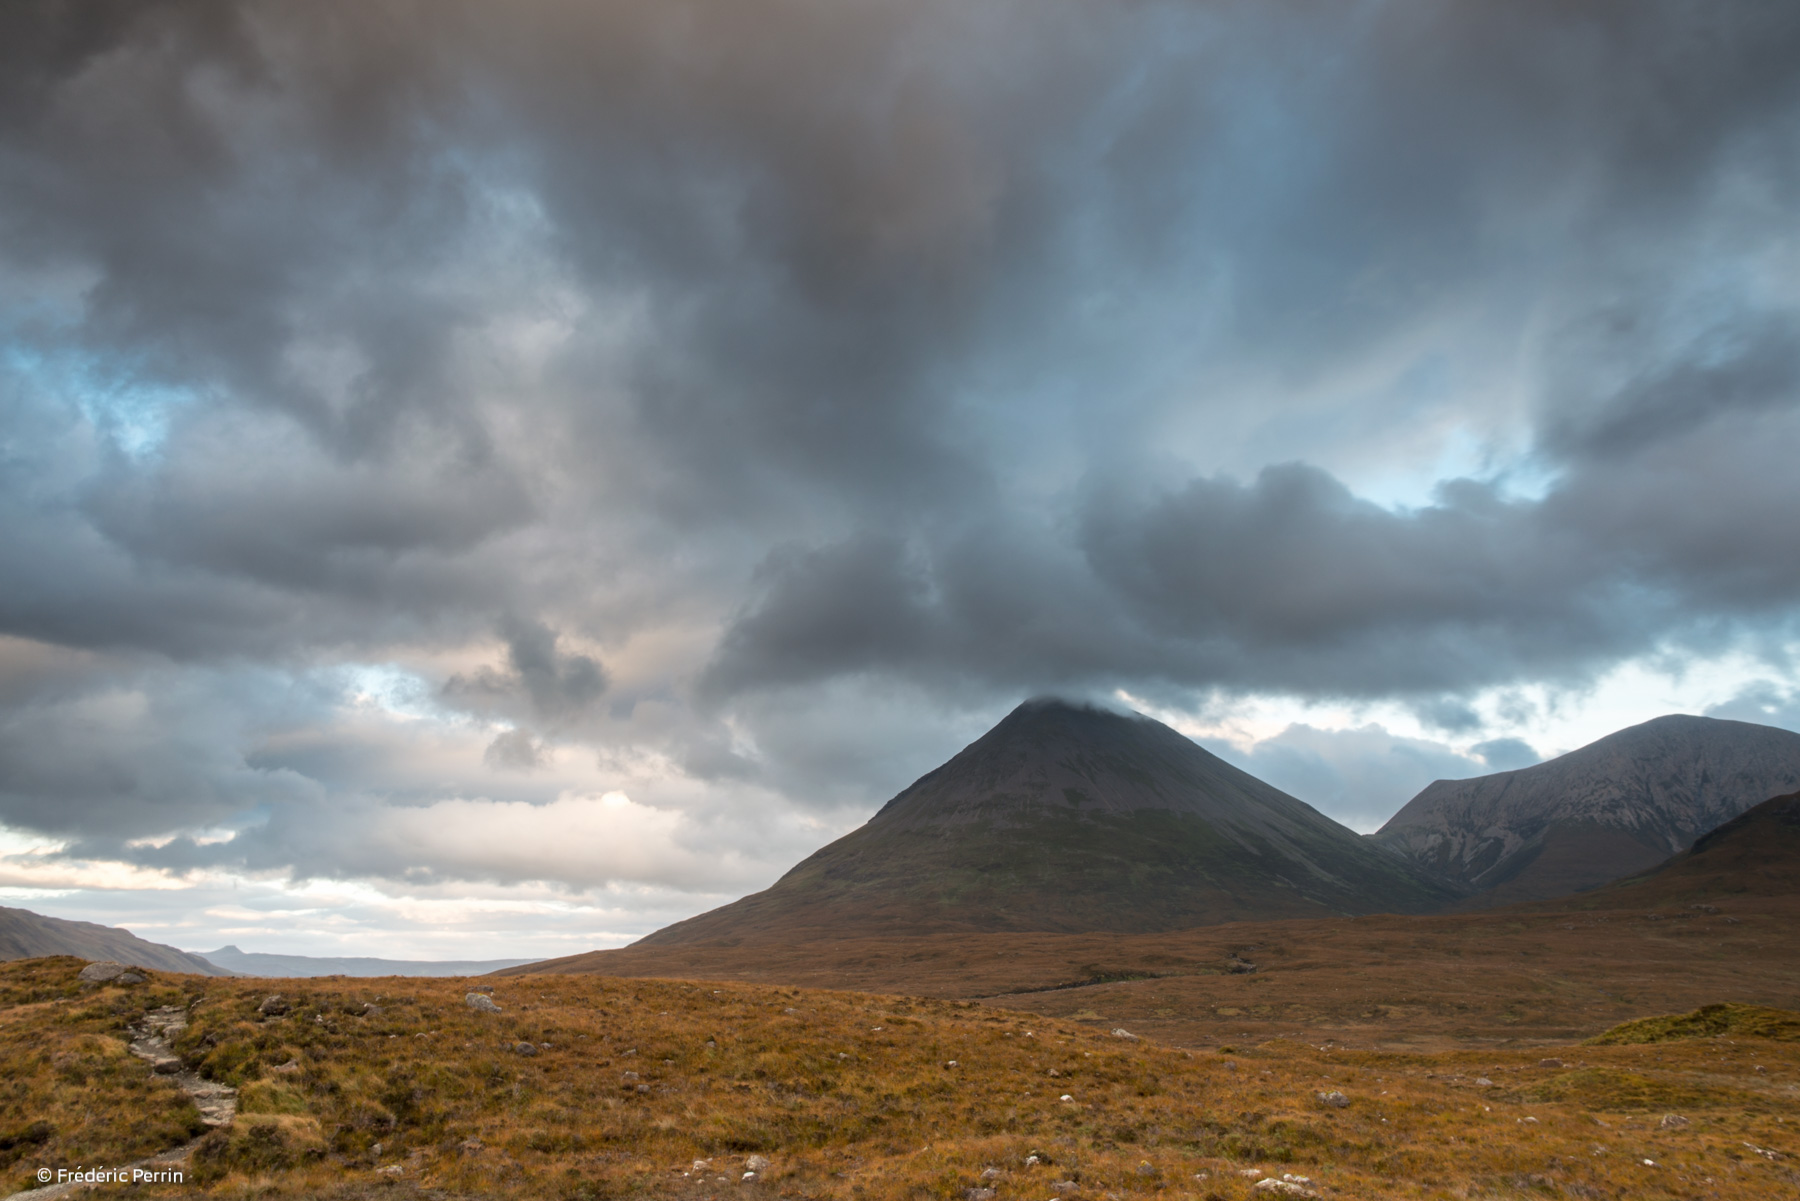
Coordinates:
389 688
118 400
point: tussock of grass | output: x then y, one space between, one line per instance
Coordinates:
847 1095
1709 1021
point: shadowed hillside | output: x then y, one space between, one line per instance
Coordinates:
1756 854
28 935
1617 806
1068 818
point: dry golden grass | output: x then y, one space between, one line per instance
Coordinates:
860 1097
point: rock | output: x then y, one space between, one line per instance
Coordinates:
273 1007
1282 1188
991 1174
1239 967
165 1065
101 972
392 1169
979 1194
1550 1063
525 1049
1121 1032
1483 1082
1334 1099
1065 1097
287 1069
370 1009
756 1163
1064 1187
643 1088
629 1076
471 1145
701 1165
1672 1121
129 977
1146 1168
481 1003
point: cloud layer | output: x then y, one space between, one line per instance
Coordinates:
438 408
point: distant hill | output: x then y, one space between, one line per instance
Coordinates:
1069 818
253 963
28 935
1756 854
1617 806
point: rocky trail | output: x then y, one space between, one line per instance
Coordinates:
216 1102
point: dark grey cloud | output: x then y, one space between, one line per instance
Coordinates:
722 357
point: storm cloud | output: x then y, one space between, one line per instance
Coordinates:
413 407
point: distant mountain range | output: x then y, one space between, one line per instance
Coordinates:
1617 806
1069 818
28 935
252 963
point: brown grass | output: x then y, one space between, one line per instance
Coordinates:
854 1096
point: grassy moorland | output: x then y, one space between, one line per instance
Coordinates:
397 1088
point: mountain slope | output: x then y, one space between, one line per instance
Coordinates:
257 963
1754 855
28 935
1067 818
1617 806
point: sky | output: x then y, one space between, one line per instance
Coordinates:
491 479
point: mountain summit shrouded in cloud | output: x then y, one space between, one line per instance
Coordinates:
546 466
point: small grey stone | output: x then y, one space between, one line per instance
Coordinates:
525 1049
273 1007
1064 1187
1121 1032
979 1194
101 972
1334 1099
1672 1121
481 1003
131 978
756 1163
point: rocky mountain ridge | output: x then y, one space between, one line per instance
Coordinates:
1619 805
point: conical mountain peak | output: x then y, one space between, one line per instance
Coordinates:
1066 816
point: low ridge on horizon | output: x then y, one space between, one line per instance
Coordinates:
1067 817
1620 805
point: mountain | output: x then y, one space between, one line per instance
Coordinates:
254 963
28 935
1754 855
1070 818
1615 807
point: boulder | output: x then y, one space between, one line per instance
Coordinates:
525 1049
1334 1099
756 1163
101 972
274 1007
481 1003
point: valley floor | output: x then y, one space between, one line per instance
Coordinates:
585 1087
